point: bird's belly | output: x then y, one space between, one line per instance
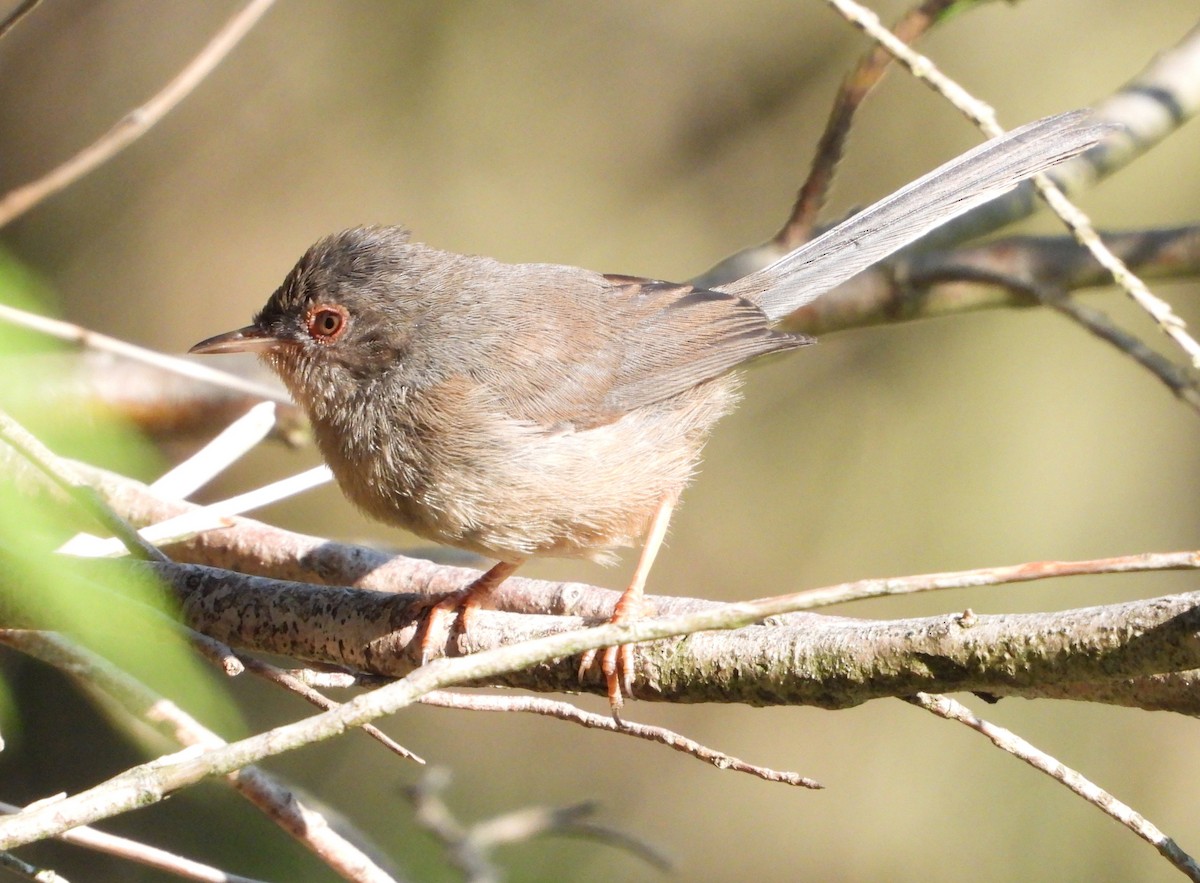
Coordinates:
509 490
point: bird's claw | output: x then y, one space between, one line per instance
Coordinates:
439 621
618 663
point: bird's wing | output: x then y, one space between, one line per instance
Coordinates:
634 343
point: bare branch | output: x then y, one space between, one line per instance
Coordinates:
854 89
22 9
804 658
984 116
1115 641
261 788
469 847
143 854
137 122
566 712
1006 740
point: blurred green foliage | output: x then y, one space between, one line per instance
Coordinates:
122 614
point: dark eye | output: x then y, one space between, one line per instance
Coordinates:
326 322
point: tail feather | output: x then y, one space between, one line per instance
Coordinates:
975 177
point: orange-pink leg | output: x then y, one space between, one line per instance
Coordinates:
617 663
465 602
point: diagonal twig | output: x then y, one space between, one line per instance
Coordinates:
23 9
144 854
22 868
859 83
137 122
567 712
469 846
1174 377
945 707
984 116
77 334
260 787
292 683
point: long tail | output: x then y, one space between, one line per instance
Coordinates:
972 179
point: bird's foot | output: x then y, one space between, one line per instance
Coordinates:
464 602
618 663
440 619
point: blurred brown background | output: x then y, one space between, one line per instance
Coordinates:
654 139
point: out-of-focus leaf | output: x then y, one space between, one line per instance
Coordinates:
110 612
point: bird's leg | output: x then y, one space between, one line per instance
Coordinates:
617 663
465 601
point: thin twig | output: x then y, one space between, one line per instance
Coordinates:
138 121
230 445
432 814
1081 226
918 65
566 712
859 83
1150 106
1046 293
993 576
213 516
85 337
261 788
23 9
950 709
335 680
1175 379
242 435
469 847
572 821
290 682
984 116
143 854
215 652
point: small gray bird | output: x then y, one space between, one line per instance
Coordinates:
532 409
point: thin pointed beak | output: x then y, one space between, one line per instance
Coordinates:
250 339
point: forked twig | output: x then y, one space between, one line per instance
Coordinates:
984 116
469 846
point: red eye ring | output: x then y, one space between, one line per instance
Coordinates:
326 322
